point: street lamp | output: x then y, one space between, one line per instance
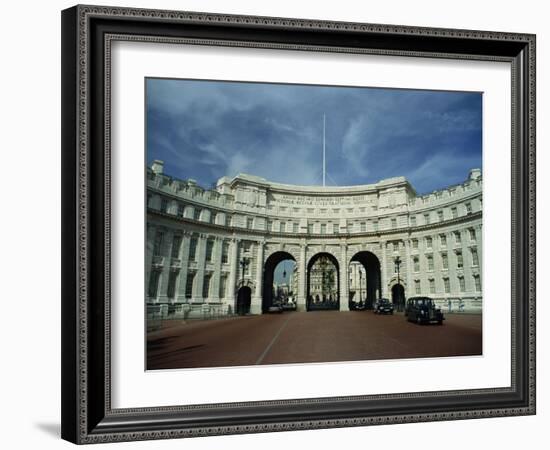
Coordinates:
397 262
244 263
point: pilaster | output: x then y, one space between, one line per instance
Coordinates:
344 279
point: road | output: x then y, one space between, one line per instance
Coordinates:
323 336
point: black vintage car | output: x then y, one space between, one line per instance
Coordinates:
423 310
383 306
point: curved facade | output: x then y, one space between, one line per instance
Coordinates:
213 252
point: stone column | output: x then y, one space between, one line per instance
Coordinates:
230 295
256 303
344 279
199 277
217 259
453 267
151 232
408 262
185 244
479 246
166 252
384 272
301 300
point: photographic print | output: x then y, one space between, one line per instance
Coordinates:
293 224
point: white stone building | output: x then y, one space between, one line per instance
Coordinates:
213 252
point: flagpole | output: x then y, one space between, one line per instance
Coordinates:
324 156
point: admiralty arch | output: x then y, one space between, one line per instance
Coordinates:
213 252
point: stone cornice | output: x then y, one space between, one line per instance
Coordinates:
261 234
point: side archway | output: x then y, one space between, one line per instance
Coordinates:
372 279
244 296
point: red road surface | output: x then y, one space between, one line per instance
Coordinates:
323 336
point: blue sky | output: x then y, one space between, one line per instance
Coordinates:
206 129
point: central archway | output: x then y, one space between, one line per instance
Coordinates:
270 265
323 283
369 283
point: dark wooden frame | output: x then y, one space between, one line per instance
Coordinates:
87 416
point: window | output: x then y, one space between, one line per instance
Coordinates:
475 257
454 212
157 248
443 240
176 244
283 227
295 227
477 283
196 214
223 283
415 243
445 260
335 228
363 227
375 225
249 222
206 286
394 223
209 249
426 219
310 228
413 221
171 289
181 208
163 205
225 253
269 225
440 215
458 238
461 284
193 249
472 235
416 264
446 285
417 287
459 260
430 260
189 285
468 208
153 283
432 286
429 241
323 228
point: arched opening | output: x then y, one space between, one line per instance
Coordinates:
243 300
323 283
398 297
365 280
280 281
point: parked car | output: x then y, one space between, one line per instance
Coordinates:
275 308
383 306
423 310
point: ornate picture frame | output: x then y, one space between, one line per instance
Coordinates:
88 33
